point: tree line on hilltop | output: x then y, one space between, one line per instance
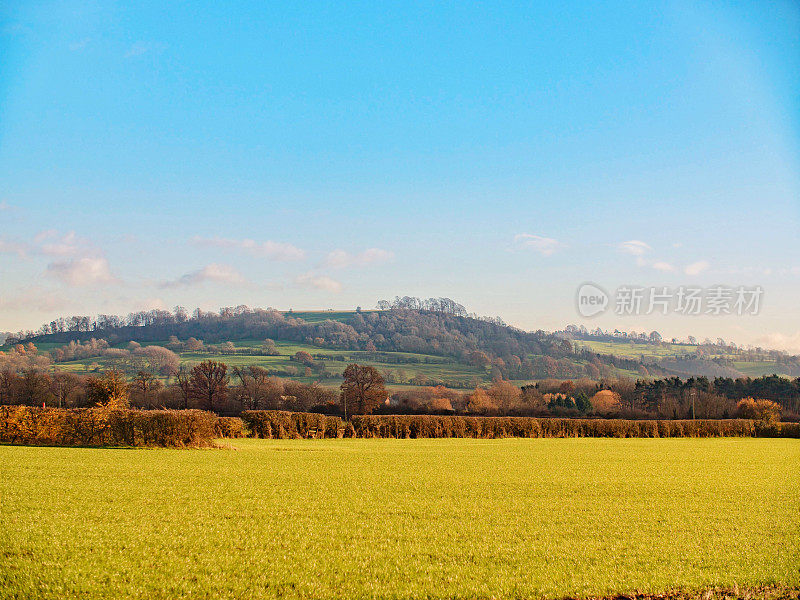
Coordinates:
434 327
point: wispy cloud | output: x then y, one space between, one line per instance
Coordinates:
51 243
267 249
696 267
340 259
4 206
142 47
214 272
543 245
78 262
21 249
635 247
81 272
662 266
320 282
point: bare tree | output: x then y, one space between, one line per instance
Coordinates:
209 384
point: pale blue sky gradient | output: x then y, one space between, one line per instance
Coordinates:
164 134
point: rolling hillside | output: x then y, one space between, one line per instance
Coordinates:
411 347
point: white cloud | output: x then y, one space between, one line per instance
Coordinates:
663 266
82 271
635 247
543 245
320 282
267 249
19 248
78 262
214 272
780 341
696 268
4 205
52 244
340 259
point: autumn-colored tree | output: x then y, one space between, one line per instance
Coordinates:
592 371
481 403
759 410
440 405
532 399
160 360
606 401
567 387
505 395
479 359
362 389
194 345
109 390
303 358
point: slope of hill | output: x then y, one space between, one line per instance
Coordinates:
411 346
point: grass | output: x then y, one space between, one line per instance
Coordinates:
758 368
626 349
451 518
430 366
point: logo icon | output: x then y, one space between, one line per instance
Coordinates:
591 299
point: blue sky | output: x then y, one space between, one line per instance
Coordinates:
327 155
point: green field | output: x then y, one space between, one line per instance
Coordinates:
626 349
429 366
515 518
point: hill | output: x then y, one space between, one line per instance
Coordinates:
432 342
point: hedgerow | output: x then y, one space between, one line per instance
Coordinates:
431 426
280 424
229 427
194 428
103 427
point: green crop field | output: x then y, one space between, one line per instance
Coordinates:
513 518
634 350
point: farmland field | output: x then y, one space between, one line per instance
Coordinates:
428 366
451 518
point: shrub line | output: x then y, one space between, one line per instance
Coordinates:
27 425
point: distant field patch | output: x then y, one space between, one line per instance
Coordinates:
451 518
636 350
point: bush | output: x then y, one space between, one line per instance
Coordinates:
229 427
433 426
105 427
790 430
759 410
281 424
